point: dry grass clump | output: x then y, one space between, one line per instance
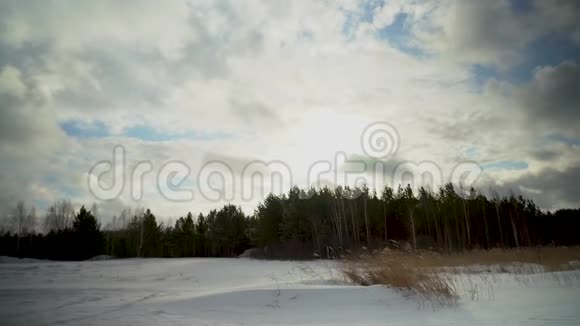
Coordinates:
520 260
432 275
403 271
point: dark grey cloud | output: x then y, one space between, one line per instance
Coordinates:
27 124
550 189
545 155
492 32
389 165
488 30
560 16
476 128
552 100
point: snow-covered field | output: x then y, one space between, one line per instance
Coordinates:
251 292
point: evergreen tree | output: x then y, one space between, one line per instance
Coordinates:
87 235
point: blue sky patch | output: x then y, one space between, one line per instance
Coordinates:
471 152
80 129
398 35
520 7
557 138
482 73
505 165
364 15
150 134
550 50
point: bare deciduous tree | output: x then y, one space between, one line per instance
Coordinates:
23 222
59 216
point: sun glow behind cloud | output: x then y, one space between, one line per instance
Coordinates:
296 82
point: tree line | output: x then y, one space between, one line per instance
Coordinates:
303 223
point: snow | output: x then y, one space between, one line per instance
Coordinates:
101 257
15 260
255 292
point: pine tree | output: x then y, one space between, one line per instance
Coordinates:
87 235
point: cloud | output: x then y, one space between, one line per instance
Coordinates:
27 122
494 32
560 16
485 31
551 99
545 155
255 112
551 188
53 21
297 82
11 83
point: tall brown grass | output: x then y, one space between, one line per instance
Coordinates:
548 258
403 271
432 275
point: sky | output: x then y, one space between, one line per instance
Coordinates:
493 83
